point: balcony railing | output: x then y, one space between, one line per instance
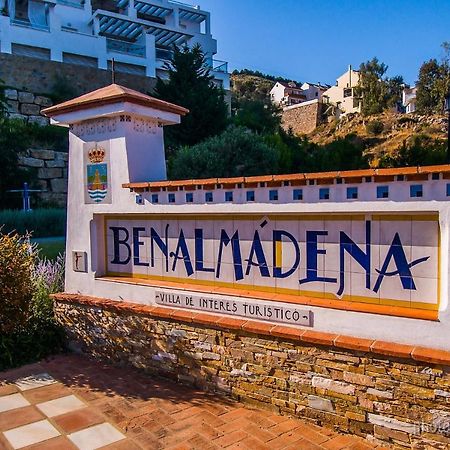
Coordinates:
28 24
219 66
162 53
128 48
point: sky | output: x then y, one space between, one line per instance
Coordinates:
310 40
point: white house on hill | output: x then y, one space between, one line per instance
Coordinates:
313 91
287 94
409 99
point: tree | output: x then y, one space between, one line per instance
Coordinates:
191 85
259 116
377 91
432 86
235 152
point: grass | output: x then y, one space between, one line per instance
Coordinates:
40 222
50 247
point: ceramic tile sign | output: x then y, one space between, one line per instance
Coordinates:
96 173
258 310
389 260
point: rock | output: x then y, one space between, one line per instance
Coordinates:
335 386
39 120
49 173
11 94
55 163
378 393
323 404
43 101
30 162
62 155
43 154
26 97
393 424
13 106
59 185
14 116
29 109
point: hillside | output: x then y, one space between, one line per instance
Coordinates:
396 131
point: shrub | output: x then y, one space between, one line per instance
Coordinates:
17 257
41 222
375 127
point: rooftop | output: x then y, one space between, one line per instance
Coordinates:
113 93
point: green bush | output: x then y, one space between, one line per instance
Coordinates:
41 222
28 330
375 127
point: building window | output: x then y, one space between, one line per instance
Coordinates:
229 196
347 92
273 195
297 194
382 191
171 198
435 176
250 196
338 180
400 177
352 193
311 182
154 198
416 190
448 189
324 193
208 197
189 197
368 179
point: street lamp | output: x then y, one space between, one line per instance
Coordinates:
447 110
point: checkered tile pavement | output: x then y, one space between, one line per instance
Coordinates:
71 402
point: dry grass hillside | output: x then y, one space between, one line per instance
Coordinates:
383 133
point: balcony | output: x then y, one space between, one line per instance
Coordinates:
28 24
127 48
219 66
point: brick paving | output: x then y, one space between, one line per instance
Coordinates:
76 402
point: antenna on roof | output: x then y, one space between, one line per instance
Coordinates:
113 71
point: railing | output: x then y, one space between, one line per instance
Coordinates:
28 24
184 4
129 48
219 66
162 53
73 3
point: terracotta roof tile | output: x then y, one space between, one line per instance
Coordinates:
112 94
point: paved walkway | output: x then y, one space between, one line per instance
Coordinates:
71 402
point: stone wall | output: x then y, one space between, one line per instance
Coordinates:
389 393
51 169
27 106
39 76
302 118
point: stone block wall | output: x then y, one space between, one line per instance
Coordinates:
51 169
389 393
27 106
302 118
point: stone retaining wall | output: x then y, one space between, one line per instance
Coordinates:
302 118
51 169
27 106
377 391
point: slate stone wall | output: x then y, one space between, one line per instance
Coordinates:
303 118
387 399
27 106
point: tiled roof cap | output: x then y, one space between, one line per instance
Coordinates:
112 94
295 177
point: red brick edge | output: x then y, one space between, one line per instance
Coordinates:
422 354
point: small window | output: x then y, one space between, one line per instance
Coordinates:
189 197
382 191
286 183
171 198
250 196
448 189
435 176
273 195
416 190
297 194
400 177
311 182
352 193
181 188
155 198
324 193
208 197
262 184
347 92
229 196
368 179
338 180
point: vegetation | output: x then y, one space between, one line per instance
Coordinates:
377 91
191 85
375 127
41 222
28 330
257 73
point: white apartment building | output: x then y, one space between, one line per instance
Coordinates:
287 94
409 99
138 34
342 95
314 91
